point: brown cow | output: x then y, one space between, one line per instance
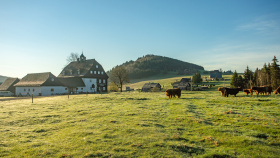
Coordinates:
268 89
247 91
231 91
259 90
222 89
173 92
277 90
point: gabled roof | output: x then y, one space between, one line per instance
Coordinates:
38 79
8 84
72 82
82 69
185 80
149 85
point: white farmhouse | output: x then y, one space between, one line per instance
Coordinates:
40 84
84 76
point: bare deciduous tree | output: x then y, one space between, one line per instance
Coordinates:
72 57
119 76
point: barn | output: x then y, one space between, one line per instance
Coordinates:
183 84
148 87
40 84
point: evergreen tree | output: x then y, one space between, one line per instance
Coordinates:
234 79
248 77
274 73
196 78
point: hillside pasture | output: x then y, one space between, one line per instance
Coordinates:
136 124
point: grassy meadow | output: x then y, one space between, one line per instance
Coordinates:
136 124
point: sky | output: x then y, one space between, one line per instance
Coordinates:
38 35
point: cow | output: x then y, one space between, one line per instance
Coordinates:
277 90
268 89
259 90
173 92
221 89
231 91
247 91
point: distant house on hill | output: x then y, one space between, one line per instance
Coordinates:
183 84
149 87
7 87
40 84
216 74
86 74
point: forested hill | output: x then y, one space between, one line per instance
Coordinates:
150 65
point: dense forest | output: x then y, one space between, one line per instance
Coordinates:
269 75
150 65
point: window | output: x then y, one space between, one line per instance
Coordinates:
104 81
98 72
52 79
96 66
90 72
78 71
101 72
82 88
65 88
104 88
52 90
100 81
28 90
70 72
24 90
77 88
94 72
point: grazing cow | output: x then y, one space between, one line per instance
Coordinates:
268 89
259 90
277 90
247 91
231 91
222 90
173 92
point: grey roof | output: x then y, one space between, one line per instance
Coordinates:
8 84
186 80
71 82
84 68
150 85
39 79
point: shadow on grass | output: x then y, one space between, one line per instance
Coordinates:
187 149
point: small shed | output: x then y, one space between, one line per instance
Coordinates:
148 87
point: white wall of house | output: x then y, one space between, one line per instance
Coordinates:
88 85
54 90
28 91
44 91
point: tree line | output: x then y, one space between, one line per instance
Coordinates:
269 75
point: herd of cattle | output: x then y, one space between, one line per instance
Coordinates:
258 90
229 91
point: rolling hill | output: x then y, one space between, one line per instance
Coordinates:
152 65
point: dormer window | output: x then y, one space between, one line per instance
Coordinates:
96 66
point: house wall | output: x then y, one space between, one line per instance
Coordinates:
28 91
47 90
88 85
44 91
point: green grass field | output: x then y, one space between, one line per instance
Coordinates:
136 124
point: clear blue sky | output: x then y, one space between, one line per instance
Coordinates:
38 35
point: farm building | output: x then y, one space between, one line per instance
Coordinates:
7 87
216 74
40 84
183 84
149 87
84 75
